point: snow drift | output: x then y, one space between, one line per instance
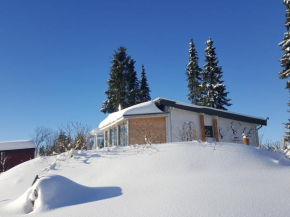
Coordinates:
54 191
173 179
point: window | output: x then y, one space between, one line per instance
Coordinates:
123 134
100 140
208 131
113 136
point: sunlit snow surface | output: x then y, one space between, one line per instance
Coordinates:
173 179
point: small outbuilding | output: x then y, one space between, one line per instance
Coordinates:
13 153
164 120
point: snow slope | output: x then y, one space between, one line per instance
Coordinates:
173 179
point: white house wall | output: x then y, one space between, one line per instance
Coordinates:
229 130
179 118
208 120
232 130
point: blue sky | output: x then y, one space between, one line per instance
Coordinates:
55 56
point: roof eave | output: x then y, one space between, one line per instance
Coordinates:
126 117
162 114
210 111
112 123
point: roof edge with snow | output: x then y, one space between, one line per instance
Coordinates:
141 109
210 111
17 145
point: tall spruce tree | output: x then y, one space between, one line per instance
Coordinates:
285 60
116 94
123 83
215 94
144 93
193 76
132 84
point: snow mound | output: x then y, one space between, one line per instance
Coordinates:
181 179
20 177
55 191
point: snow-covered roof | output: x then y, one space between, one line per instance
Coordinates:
94 132
145 108
211 111
14 145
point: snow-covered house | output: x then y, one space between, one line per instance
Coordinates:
164 120
13 153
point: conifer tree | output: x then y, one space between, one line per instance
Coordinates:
132 84
62 142
144 94
285 60
215 94
116 94
123 84
193 76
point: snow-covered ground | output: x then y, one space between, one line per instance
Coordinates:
173 179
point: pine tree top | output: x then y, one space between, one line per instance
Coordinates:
142 71
144 94
193 75
209 42
191 47
210 52
193 57
215 91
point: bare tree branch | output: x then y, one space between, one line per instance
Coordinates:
41 134
3 158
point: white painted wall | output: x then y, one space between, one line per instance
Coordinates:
178 118
228 129
208 120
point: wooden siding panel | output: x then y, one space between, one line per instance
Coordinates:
154 128
16 157
201 119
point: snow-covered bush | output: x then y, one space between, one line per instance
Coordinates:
72 136
271 146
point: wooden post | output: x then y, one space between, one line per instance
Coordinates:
283 144
215 130
201 119
36 177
